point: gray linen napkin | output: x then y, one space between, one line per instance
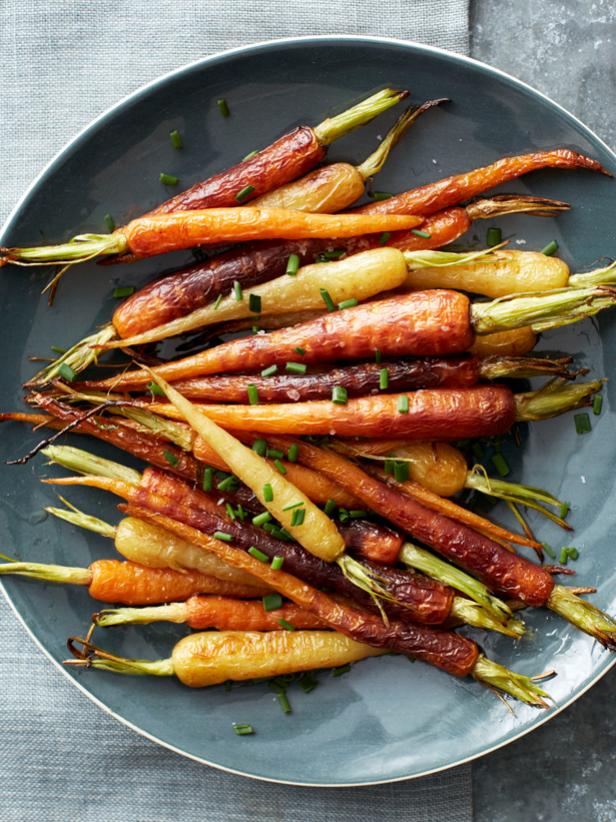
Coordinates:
65 61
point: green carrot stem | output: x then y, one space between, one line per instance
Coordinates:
176 432
76 459
553 399
599 276
173 612
583 615
80 249
366 580
439 569
494 368
77 358
335 127
501 204
543 311
375 162
471 613
444 259
48 573
517 685
85 521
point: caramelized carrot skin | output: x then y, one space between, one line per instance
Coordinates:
372 541
130 584
287 158
226 614
450 191
443 227
358 380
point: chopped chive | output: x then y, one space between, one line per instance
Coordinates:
241 513
243 729
383 379
332 254
269 371
401 471
379 195
57 350
171 458
230 511
244 193
222 536
419 233
357 513
66 372
293 452
250 155
292 265
261 519
154 388
573 553
227 484
254 552
208 479
168 179
254 303
260 447
597 404
330 507
272 602
280 467
299 350
282 698
286 625
109 223
277 563
237 291
564 510
268 492
478 451
582 423
564 556
223 107
253 394
329 303
403 404
377 355
293 505
389 466
494 236
341 671
350 303
384 238
340 395
549 550
176 139
274 453
217 302
308 682
550 249
501 464
295 368
298 517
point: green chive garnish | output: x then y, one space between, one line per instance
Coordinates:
259 447
171 458
274 453
582 423
208 479
217 302
388 466
564 510
286 625
176 139
563 557
254 552
419 233
168 179
501 464
123 291
280 467
254 303
494 236
153 388
244 193
343 514
597 404
377 355
240 513
282 698
295 368
550 249
299 350
253 394
269 371
223 107
292 505
250 155
308 682
272 602
222 536
403 404
357 513
66 372
329 303
230 511
383 379
350 303
242 729
227 484
237 291
261 519
268 492
340 395
277 563
549 550
341 671
293 452
401 471
379 195
298 517
384 238
573 553
330 507
109 223
292 265
333 254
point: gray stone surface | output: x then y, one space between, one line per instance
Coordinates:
567 769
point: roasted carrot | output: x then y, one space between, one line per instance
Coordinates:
450 191
222 613
424 323
372 541
110 580
512 343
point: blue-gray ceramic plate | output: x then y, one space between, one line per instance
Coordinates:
386 719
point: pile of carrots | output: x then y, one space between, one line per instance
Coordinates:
295 505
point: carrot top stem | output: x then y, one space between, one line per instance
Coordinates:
599 276
94 657
587 617
172 612
501 204
520 686
48 573
79 249
77 358
553 399
495 368
76 459
470 613
442 259
81 520
335 127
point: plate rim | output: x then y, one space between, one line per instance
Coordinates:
162 79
